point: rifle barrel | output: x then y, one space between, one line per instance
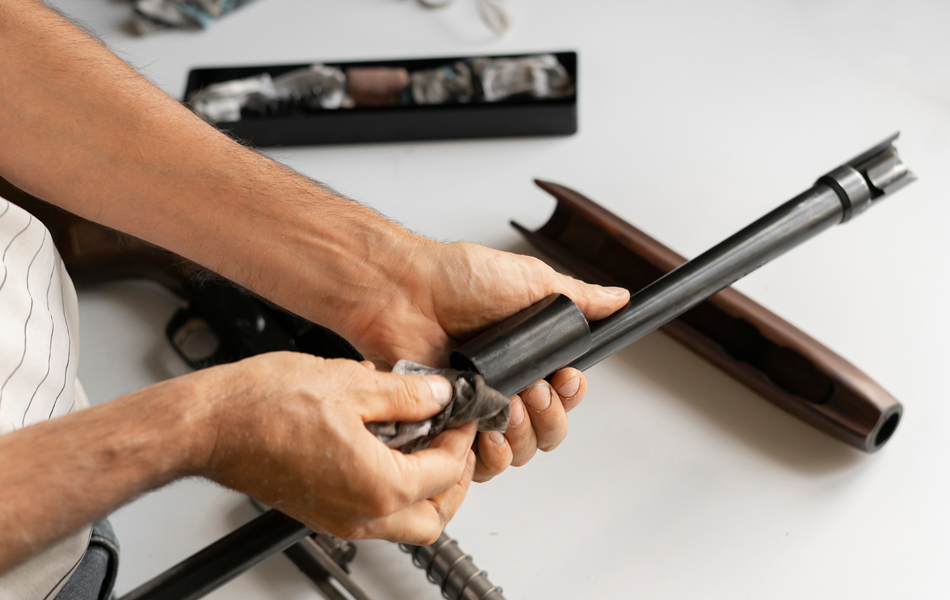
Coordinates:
535 340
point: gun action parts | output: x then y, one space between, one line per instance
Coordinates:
452 570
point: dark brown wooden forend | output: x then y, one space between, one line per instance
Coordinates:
747 341
94 253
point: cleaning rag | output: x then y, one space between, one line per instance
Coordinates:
474 400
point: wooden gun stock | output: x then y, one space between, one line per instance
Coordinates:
94 253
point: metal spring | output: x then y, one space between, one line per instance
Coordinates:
452 570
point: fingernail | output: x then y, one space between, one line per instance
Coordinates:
615 291
539 397
517 413
569 388
496 438
441 389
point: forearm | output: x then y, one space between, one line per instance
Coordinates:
81 129
61 474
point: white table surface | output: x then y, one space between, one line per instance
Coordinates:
695 118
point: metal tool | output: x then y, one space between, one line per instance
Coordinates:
452 570
315 557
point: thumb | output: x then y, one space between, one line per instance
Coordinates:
595 301
406 397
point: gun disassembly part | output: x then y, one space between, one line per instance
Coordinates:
553 333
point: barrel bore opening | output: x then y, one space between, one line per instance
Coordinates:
886 430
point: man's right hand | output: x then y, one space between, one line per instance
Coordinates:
290 431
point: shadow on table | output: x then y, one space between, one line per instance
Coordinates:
727 404
735 409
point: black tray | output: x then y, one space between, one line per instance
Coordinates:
508 118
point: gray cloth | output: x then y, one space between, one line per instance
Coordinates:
152 15
313 87
95 574
474 400
538 76
449 84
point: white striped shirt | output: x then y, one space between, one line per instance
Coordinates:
39 353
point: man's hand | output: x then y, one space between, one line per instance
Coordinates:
403 296
288 429
444 294
293 435
450 292
140 162
538 422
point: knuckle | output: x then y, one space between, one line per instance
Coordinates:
553 429
554 436
497 466
493 457
429 536
572 402
523 447
385 507
538 265
311 360
346 531
405 392
523 457
441 516
488 471
382 506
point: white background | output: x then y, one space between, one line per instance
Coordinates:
695 119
